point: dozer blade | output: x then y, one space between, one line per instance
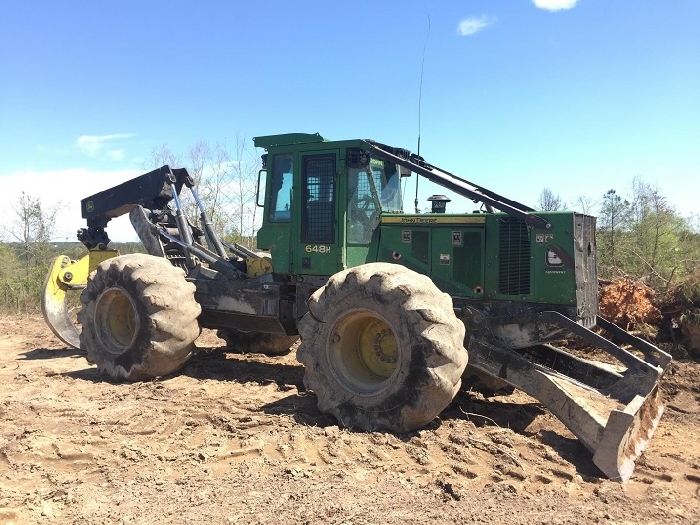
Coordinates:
63 277
613 410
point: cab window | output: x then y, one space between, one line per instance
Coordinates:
281 193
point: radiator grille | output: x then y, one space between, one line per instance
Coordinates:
513 257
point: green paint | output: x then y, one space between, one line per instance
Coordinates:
478 256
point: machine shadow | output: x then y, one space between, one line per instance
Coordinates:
226 366
243 368
501 412
37 354
482 413
572 450
205 364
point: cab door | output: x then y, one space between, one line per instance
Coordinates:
319 251
275 234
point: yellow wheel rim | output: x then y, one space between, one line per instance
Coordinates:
116 321
363 352
378 348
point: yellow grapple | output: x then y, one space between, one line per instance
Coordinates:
66 275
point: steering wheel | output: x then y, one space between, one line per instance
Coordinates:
364 202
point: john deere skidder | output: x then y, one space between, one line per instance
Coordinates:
388 304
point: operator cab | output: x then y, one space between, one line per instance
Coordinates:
323 201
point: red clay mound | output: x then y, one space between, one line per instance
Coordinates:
628 303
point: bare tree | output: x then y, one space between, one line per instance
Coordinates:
27 254
244 170
585 204
198 161
216 188
161 155
32 228
225 182
548 201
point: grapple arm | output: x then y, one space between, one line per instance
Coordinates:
64 276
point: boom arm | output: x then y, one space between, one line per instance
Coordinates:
461 186
151 190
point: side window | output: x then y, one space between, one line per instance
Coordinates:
281 192
318 192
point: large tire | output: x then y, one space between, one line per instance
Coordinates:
139 317
382 348
257 342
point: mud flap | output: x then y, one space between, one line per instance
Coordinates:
64 276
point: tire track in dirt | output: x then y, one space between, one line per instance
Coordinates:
235 438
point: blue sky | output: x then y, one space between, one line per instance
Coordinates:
517 95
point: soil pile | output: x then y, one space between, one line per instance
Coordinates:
628 303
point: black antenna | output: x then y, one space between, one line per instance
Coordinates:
420 96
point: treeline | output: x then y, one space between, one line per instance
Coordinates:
641 237
24 267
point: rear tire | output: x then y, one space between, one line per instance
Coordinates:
257 342
139 317
382 348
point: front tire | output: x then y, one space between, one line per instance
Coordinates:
139 317
382 348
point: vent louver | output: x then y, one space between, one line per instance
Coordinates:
513 257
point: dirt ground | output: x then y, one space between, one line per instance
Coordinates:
236 439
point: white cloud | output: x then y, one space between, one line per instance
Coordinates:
92 145
471 26
65 189
115 154
555 5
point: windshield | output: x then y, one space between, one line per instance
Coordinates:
380 178
386 182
